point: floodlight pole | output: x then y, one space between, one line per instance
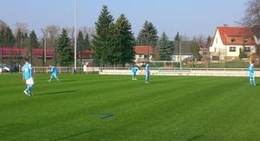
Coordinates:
75 36
45 42
180 56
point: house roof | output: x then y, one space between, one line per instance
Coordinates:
144 49
239 33
85 54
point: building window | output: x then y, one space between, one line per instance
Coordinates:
233 40
245 40
247 49
215 58
216 40
232 49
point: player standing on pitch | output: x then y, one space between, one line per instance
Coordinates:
27 76
53 71
251 74
134 70
147 72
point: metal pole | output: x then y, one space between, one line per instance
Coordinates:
75 36
45 51
180 56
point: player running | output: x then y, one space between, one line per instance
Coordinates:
53 71
27 76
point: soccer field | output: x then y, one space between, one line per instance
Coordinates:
114 108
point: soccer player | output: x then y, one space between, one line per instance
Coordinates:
134 70
147 72
27 76
251 74
53 71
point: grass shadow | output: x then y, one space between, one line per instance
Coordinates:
74 135
57 93
195 138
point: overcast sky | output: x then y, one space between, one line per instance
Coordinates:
189 17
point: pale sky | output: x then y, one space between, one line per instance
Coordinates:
188 17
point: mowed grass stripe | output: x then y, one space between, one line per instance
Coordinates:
168 108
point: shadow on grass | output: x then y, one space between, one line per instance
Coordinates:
195 137
104 115
74 135
57 93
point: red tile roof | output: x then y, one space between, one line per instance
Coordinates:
85 54
239 33
144 50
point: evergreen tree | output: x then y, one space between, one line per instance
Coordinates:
33 44
1 43
80 41
82 44
124 49
19 37
8 41
64 51
2 37
164 47
87 42
147 35
176 43
208 42
103 41
34 40
8 38
26 40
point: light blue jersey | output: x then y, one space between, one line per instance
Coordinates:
54 70
251 75
251 70
27 74
147 73
134 70
27 70
147 68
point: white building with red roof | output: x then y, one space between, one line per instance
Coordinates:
228 41
143 54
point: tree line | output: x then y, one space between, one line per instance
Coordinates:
112 40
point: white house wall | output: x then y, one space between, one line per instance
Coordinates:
257 40
223 50
218 46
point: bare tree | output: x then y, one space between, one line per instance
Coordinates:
21 27
50 34
3 25
84 31
51 31
90 31
252 14
70 31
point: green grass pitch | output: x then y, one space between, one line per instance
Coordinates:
115 108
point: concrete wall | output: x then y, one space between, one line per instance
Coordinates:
242 72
